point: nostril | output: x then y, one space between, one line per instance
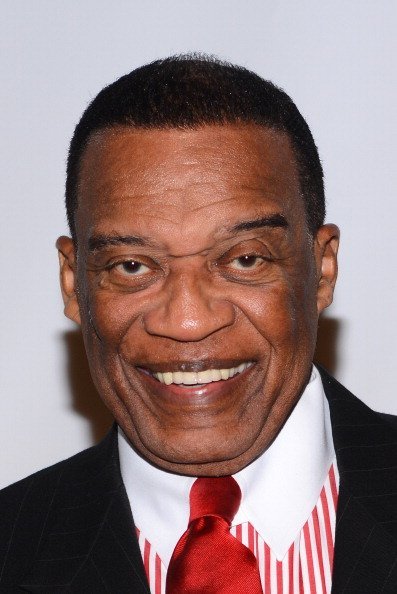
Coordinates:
178 325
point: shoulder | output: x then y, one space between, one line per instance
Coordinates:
27 505
390 419
346 401
73 469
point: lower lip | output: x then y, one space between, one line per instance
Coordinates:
211 389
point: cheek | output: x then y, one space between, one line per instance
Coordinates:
109 316
280 312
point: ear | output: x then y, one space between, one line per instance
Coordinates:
326 246
67 274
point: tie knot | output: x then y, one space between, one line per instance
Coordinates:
215 497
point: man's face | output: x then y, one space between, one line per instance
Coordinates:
198 289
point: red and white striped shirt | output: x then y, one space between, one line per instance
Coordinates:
305 569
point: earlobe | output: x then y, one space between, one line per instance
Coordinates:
326 251
67 276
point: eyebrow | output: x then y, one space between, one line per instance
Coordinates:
99 242
272 221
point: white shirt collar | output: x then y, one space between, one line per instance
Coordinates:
280 488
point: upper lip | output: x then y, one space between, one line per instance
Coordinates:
193 366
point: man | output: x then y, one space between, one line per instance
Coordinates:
198 265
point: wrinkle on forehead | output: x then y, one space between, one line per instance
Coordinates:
167 188
182 206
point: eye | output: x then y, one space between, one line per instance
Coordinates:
246 262
131 268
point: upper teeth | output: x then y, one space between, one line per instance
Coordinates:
200 377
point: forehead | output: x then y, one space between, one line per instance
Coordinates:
214 174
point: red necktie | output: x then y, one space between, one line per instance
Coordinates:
207 558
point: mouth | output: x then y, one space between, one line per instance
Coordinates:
193 378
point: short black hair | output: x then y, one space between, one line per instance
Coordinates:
191 91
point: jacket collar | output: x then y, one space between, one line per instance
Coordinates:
365 558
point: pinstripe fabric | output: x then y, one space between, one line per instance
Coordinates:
305 569
365 559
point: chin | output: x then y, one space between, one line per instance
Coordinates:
211 460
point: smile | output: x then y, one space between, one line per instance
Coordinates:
191 378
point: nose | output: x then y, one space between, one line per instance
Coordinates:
188 310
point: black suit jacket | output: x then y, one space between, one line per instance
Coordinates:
69 528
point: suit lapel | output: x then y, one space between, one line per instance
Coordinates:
89 542
366 525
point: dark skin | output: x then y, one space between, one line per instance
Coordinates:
194 253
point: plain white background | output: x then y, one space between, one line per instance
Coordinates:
335 58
